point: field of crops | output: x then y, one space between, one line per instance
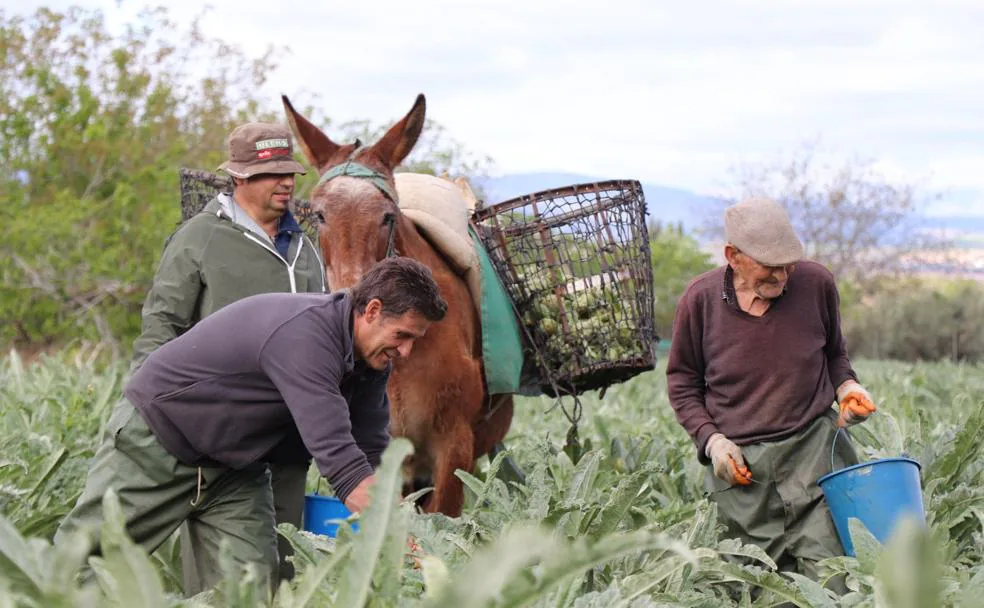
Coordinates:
619 522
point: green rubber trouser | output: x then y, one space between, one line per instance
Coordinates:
157 494
288 482
785 513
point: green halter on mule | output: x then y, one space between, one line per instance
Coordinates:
350 168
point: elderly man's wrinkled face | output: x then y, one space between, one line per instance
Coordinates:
767 282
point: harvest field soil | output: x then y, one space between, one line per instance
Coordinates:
620 519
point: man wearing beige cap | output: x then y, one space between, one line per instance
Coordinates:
242 243
756 362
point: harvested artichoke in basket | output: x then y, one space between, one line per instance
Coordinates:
583 328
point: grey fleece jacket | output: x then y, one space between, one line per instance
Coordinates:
262 379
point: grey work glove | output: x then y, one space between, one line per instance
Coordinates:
729 464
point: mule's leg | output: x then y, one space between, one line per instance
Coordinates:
415 485
453 450
508 470
491 429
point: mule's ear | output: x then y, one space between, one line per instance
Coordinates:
401 137
317 147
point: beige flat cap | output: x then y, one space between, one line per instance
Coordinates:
760 228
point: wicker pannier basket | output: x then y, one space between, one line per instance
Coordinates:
576 262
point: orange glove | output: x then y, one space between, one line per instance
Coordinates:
414 551
729 464
855 404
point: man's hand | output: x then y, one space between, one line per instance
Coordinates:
414 551
358 499
855 404
729 464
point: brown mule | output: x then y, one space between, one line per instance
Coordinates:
438 396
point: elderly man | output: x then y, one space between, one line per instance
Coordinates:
242 243
757 360
267 376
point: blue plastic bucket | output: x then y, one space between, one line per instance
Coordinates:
322 514
879 493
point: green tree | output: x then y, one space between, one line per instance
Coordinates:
93 129
677 259
918 320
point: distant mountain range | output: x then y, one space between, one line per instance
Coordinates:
666 204
675 205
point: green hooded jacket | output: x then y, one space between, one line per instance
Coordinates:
211 261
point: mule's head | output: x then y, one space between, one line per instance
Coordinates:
355 200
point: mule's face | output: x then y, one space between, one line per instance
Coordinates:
434 404
358 208
356 223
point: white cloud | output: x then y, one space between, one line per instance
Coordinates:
673 93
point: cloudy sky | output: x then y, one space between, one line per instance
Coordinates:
667 92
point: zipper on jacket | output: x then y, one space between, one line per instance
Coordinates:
290 266
324 281
317 256
219 213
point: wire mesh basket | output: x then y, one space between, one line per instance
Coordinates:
576 262
198 188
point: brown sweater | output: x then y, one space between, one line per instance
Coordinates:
755 378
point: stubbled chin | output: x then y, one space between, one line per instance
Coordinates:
771 292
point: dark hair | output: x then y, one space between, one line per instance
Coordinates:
401 284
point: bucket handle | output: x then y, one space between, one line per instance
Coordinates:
833 445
